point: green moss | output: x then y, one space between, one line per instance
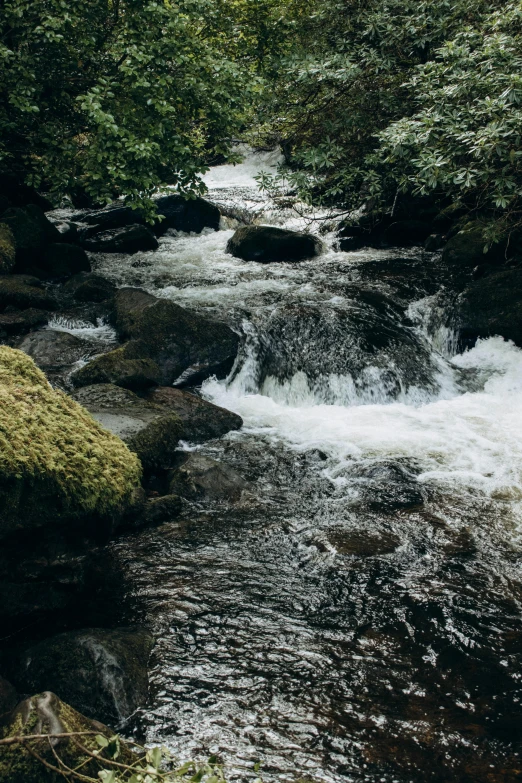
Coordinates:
115 367
55 459
7 249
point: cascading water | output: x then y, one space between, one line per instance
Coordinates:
356 617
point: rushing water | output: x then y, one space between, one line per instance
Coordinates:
356 615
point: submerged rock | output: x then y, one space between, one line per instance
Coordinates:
491 306
7 249
151 431
58 465
102 673
47 714
267 244
128 239
190 215
203 478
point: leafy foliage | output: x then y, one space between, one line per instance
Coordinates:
114 97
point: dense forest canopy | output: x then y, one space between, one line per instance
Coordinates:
367 97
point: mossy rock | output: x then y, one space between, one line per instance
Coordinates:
100 672
114 367
89 287
202 420
187 347
32 232
45 713
151 431
491 306
24 291
7 249
468 249
57 464
22 321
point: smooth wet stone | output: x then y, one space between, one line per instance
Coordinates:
18 322
113 367
54 350
189 215
114 216
267 244
363 543
100 672
150 430
203 478
89 287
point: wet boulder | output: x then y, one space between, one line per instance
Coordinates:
434 242
388 486
102 673
89 287
8 697
467 248
59 467
47 714
114 216
203 478
24 291
491 306
17 322
189 215
158 510
201 419
267 244
128 239
32 232
114 367
68 232
7 249
17 194
61 259
187 347
150 431
54 350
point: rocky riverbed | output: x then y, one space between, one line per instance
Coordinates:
319 572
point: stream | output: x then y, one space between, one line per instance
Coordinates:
356 616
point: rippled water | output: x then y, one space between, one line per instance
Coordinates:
356 616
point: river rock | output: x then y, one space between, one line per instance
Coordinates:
491 306
114 216
7 249
68 232
190 215
45 714
58 465
151 431
24 291
404 233
267 244
17 194
102 673
203 478
187 347
114 367
201 419
61 259
53 350
388 486
89 287
16 322
128 239
466 248
162 509
32 232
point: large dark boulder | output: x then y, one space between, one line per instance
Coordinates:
492 306
128 239
16 322
89 287
467 248
405 233
201 419
24 291
32 233
151 431
7 249
61 259
187 347
190 215
14 193
54 350
102 673
267 244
